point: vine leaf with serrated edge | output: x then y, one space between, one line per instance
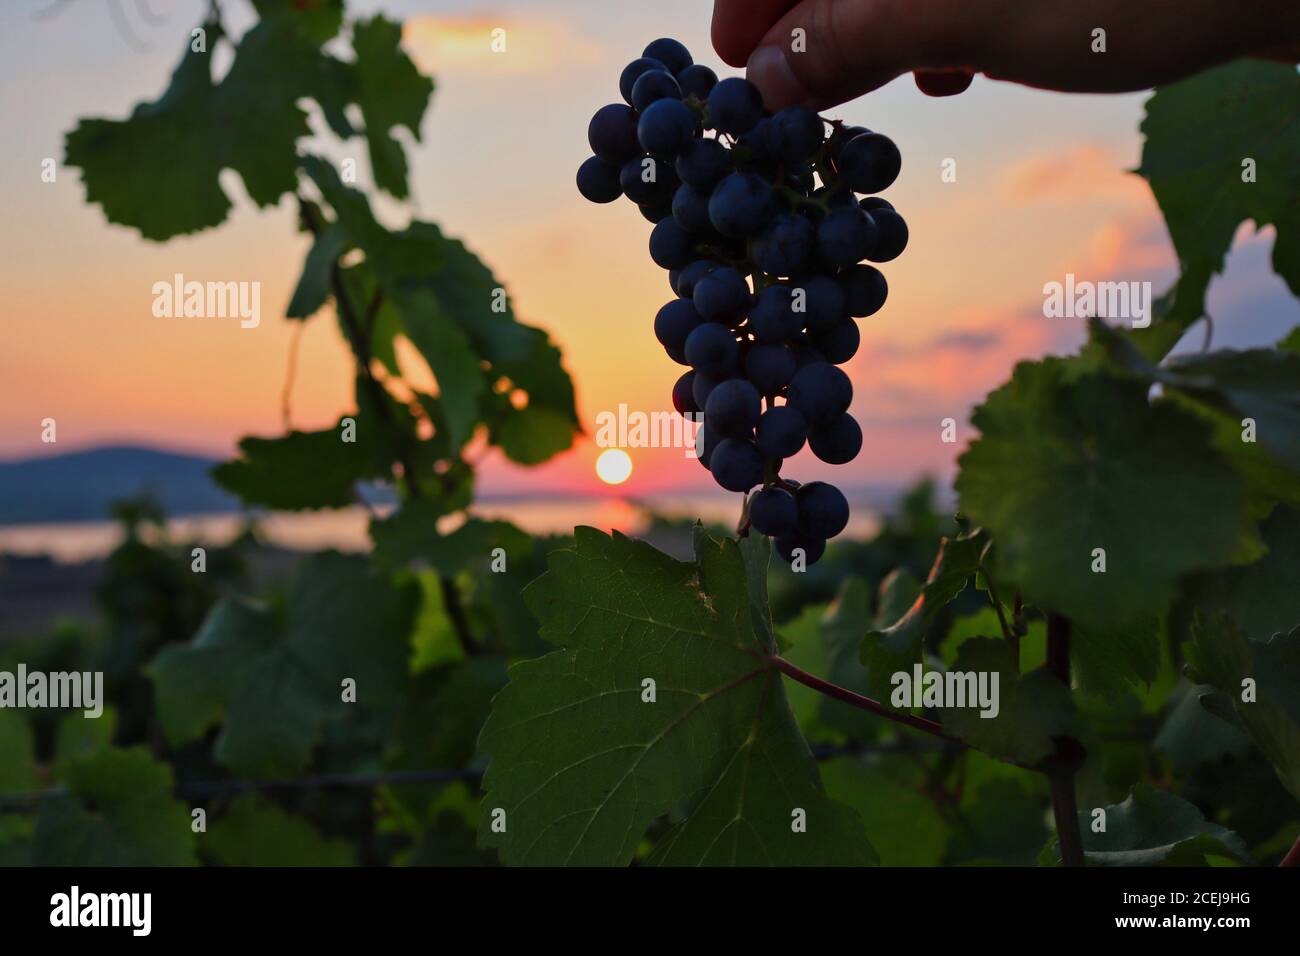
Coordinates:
581 764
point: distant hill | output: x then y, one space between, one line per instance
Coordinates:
79 486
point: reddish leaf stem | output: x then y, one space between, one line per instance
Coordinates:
1293 855
853 699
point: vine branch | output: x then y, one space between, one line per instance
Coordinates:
358 331
1060 775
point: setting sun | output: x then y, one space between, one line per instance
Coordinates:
614 466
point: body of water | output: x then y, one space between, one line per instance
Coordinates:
346 529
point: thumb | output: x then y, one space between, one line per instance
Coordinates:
825 52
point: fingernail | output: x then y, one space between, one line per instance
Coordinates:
769 70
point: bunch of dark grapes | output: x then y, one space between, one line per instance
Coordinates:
767 246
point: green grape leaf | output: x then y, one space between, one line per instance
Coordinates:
1201 182
890 648
802 645
1071 462
18 768
411 535
253 831
500 608
391 92
1191 737
956 563
77 736
119 812
841 630
1001 820
1268 480
313 287
157 171
1220 655
318 21
1261 597
272 679
1031 709
305 470
469 294
895 647
438 724
397 258
908 828
1115 660
581 764
1152 828
16 839
1260 384
452 359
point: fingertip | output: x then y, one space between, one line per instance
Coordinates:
943 82
770 71
739 25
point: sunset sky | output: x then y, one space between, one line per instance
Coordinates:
1041 191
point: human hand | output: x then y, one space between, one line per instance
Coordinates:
850 47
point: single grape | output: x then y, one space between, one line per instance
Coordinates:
711 348
706 440
736 464
782 432
692 274
797 134
722 295
773 318
655 212
671 244
822 304
869 163
805 354
837 443
598 180
665 127
684 394
840 137
733 408
735 106
740 205
703 385
648 181
865 290
839 343
769 368
820 392
632 72
846 236
761 147
612 133
654 85
893 235
691 208
702 162
673 323
823 510
784 246
671 53
698 81
811 549
872 203
773 512
840 198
